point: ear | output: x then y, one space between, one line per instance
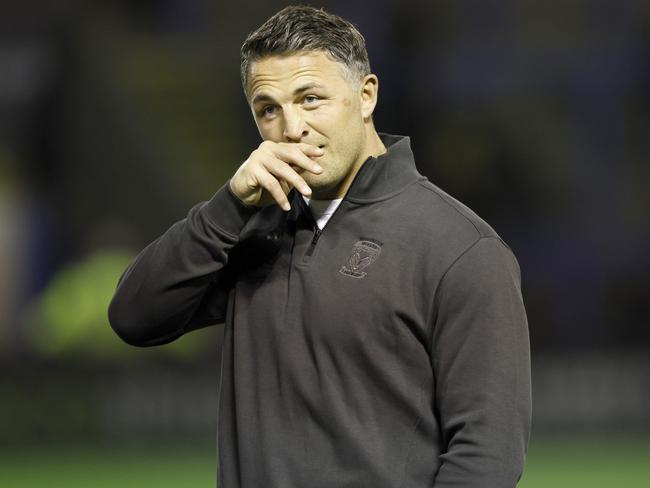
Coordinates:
369 91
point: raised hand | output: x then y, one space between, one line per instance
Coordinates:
272 170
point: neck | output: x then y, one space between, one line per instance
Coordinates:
375 146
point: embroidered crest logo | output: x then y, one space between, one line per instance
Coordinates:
364 253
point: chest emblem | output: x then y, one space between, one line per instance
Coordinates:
364 253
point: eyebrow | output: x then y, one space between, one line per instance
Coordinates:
263 97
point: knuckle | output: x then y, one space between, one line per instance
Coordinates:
266 144
252 185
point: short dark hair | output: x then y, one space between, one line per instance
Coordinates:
300 28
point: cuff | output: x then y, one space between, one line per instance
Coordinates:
227 211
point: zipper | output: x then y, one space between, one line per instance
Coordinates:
317 230
314 241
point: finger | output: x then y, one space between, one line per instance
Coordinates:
285 172
273 187
309 149
292 154
286 187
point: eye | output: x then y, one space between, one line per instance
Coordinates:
268 110
311 99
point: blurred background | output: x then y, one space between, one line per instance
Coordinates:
117 116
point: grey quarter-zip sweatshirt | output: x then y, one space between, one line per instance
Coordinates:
389 350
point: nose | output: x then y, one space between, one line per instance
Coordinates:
295 127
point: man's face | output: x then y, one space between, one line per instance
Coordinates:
306 98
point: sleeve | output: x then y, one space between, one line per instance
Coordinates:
481 362
179 282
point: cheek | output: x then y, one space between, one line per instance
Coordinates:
331 118
270 131
321 120
340 124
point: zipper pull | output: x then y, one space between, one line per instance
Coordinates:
317 233
312 246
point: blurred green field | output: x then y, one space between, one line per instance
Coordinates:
576 463
588 463
108 467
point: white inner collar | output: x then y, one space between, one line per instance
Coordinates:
322 210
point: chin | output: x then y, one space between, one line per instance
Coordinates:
324 190
317 185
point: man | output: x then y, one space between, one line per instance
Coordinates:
375 334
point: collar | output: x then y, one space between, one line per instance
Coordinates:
378 178
386 175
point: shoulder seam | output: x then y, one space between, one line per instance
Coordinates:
460 256
480 234
451 265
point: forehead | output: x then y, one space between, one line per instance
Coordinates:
279 73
